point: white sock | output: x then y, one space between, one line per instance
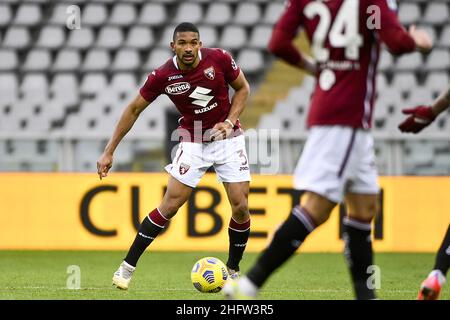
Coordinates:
247 287
128 266
440 276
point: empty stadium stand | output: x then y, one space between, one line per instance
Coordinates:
62 90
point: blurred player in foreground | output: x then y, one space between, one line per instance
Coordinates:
338 161
197 80
419 118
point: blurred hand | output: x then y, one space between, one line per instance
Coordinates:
104 163
220 131
423 41
420 117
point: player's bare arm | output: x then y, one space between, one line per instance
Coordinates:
126 121
241 86
423 41
422 116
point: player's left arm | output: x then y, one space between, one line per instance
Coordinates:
241 92
422 116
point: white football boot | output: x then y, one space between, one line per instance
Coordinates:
122 276
241 289
233 274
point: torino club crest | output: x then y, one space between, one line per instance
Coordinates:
184 168
210 73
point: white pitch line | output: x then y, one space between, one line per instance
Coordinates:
189 290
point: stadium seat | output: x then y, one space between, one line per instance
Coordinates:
37 60
16 38
250 60
420 96
126 59
409 13
247 14
188 11
273 12
59 15
404 82
80 39
53 110
233 37
9 87
445 37
28 15
381 82
109 38
8 60
436 81
96 60
5 15
386 61
438 60
38 124
64 89
124 82
413 61
51 37
67 60
167 36
208 36
140 38
34 87
94 15
123 14
218 14
260 36
436 13
93 83
153 14
156 58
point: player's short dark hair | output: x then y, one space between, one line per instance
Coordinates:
185 27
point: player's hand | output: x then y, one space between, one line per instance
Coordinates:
220 131
423 41
104 163
420 117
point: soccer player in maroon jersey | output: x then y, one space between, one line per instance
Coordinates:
197 81
337 163
419 118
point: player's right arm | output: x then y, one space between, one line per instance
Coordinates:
126 121
281 42
395 36
422 116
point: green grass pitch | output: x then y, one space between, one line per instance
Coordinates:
166 276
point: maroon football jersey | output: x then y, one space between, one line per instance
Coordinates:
345 38
200 94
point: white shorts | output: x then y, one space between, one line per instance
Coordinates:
337 160
228 157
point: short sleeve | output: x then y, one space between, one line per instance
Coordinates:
291 19
151 88
231 69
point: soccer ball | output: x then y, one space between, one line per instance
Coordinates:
209 275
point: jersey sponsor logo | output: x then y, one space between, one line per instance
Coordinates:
175 77
205 109
201 96
184 168
210 73
178 88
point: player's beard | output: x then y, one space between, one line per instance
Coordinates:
189 62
